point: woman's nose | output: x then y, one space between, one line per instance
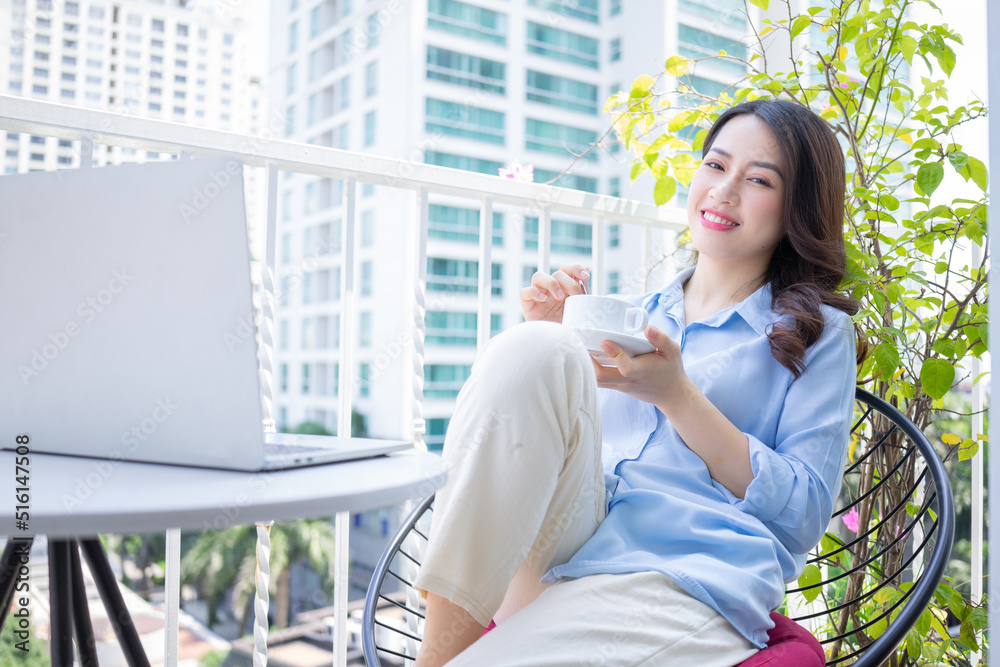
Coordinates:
725 192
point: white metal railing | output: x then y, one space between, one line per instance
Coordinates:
90 127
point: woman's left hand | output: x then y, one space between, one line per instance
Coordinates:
657 377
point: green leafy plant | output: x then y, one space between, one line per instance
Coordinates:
916 253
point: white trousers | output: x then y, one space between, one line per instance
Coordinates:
525 490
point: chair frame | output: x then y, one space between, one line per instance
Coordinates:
896 553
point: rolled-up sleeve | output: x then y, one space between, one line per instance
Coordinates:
798 478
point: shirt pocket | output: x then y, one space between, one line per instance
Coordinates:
626 424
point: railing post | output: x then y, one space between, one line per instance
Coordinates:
485 272
172 586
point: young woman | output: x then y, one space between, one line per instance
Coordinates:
650 513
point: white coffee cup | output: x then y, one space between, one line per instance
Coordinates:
604 313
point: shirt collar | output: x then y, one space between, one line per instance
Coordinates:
755 309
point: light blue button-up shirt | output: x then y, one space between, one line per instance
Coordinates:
666 513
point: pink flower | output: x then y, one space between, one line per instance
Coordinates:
518 172
851 520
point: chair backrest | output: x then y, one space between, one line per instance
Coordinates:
873 581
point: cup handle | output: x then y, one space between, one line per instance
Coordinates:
635 320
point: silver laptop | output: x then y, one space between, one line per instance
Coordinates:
128 321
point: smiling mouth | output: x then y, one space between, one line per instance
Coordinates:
719 220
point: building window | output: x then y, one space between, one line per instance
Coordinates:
437 427
365 374
366 278
315 20
305 378
314 64
466 70
182 30
613 282
284 377
372 30
616 49
293 37
614 187
444 380
471 122
566 236
614 235
580 9
479 165
467 20
365 329
557 138
694 43
615 8
367 229
157 25
371 78
459 275
450 328
562 45
369 128
307 333
561 92
283 335
289 120
460 224
571 181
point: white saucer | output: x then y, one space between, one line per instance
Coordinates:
632 344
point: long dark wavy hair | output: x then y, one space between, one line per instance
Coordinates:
809 262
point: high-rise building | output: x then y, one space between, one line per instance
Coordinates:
170 60
474 86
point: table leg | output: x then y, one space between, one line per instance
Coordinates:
60 610
84 630
10 563
113 602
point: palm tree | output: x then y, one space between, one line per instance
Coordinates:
222 560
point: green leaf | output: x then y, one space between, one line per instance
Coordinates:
914 644
798 25
641 85
677 65
907 45
887 358
936 376
977 172
810 576
958 160
945 347
929 177
664 190
637 168
760 3
968 635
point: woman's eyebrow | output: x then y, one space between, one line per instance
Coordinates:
753 163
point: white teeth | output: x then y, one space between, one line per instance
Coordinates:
711 217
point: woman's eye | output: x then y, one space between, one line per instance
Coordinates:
759 181
713 165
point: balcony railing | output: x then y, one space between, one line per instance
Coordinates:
90 128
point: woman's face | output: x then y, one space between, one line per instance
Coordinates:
736 199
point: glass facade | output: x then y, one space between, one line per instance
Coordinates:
460 224
567 236
557 139
460 120
448 328
694 43
581 9
560 92
466 70
562 45
459 275
571 181
728 12
444 380
467 20
466 163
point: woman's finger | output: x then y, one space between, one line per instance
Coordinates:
532 293
546 283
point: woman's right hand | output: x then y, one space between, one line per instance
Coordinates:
543 299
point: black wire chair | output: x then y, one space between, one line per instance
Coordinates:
874 584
